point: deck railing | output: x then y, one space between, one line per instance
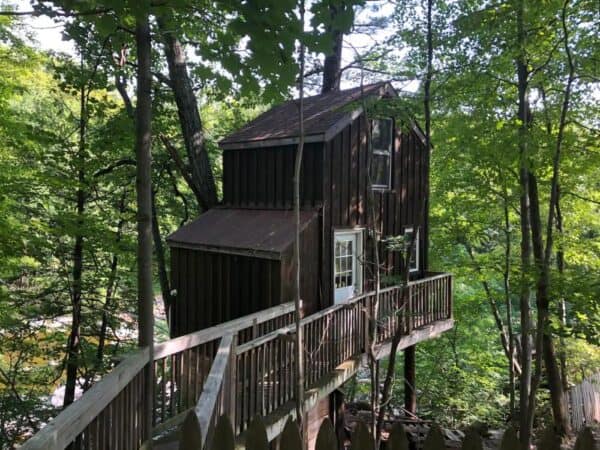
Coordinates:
265 367
109 415
241 368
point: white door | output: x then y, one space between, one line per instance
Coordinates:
347 269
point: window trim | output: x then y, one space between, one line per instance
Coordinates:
358 275
411 229
384 152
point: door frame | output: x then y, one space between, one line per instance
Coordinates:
358 266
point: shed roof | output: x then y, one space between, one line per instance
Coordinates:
254 232
324 116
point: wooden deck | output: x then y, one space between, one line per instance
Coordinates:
244 368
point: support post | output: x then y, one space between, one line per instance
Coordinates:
232 384
410 395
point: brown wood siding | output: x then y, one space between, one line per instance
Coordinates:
345 195
262 177
309 275
215 287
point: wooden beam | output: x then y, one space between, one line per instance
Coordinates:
207 403
421 334
276 142
196 338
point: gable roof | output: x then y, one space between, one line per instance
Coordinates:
324 116
250 232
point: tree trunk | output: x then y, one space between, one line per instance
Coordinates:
333 61
73 345
110 288
508 305
410 393
143 137
373 310
189 117
560 265
299 341
159 250
525 291
386 392
427 113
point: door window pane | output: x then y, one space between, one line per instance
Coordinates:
347 276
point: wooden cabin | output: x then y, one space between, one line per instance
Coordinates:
237 259
233 273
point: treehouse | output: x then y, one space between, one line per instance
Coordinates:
237 259
232 318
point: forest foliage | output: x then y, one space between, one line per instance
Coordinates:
67 175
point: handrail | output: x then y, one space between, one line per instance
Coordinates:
82 419
309 319
72 421
339 333
196 338
210 402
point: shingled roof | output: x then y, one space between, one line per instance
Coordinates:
324 116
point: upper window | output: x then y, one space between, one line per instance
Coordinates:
409 236
381 166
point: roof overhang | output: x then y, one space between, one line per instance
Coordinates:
385 90
266 234
272 142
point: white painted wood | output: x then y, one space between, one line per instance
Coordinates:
65 427
354 238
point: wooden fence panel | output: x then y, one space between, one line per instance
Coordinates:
435 439
326 438
290 438
472 441
586 441
510 440
584 402
549 441
223 438
256 435
361 439
398 439
191 433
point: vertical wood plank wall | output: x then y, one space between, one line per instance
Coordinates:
262 177
334 178
345 195
213 288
